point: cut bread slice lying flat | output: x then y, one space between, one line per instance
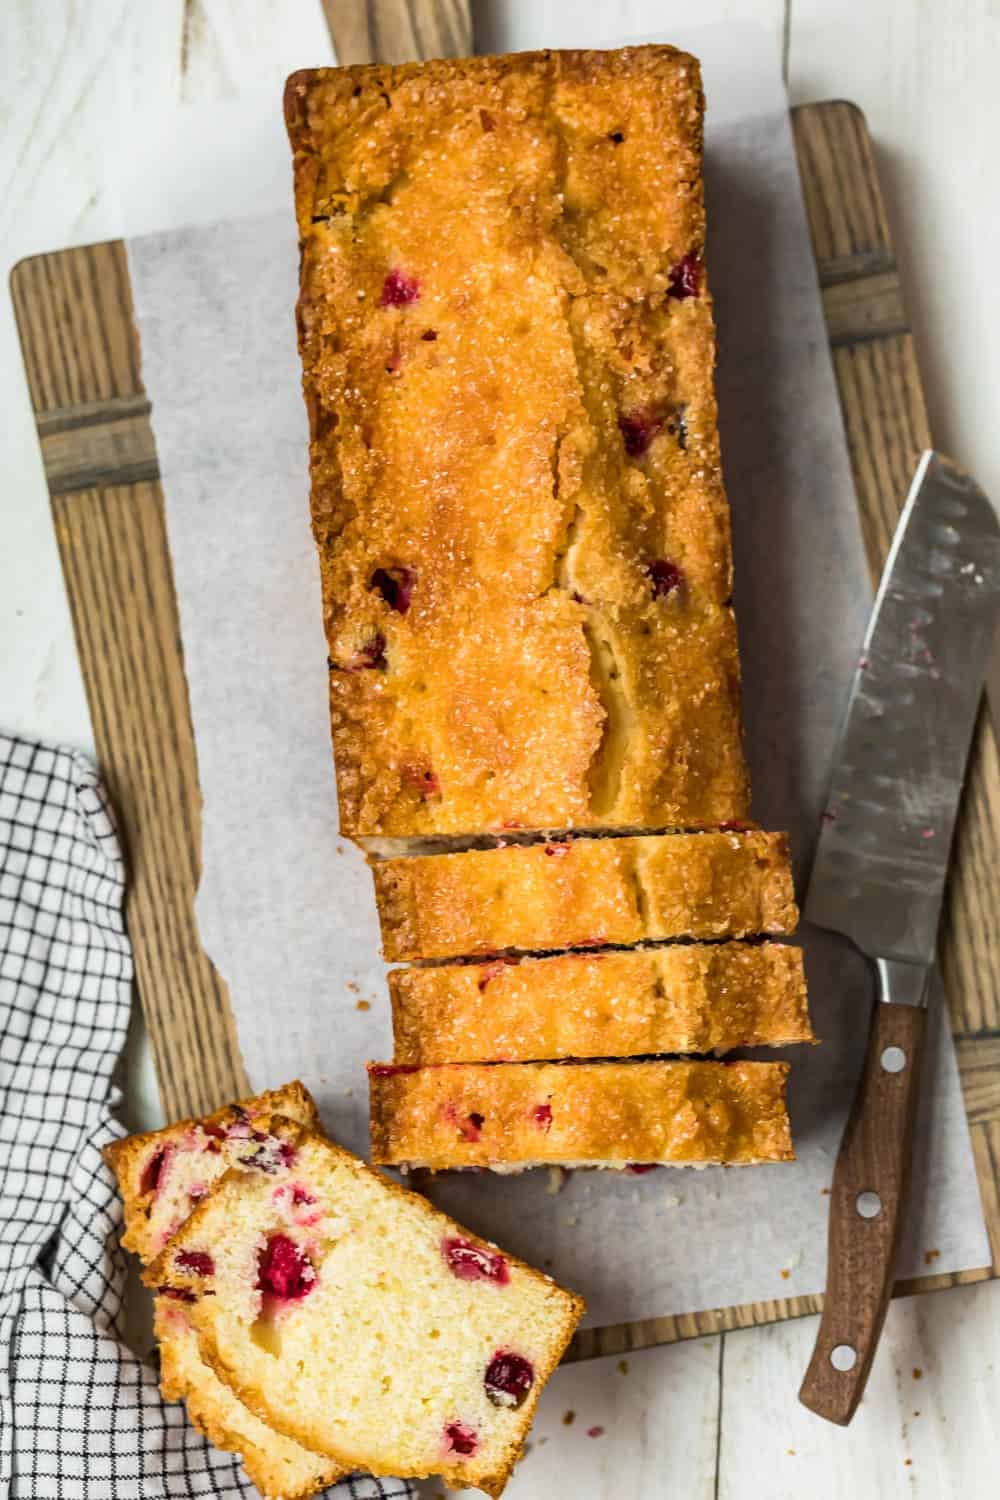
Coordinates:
585 892
279 1468
352 1316
162 1175
680 998
510 1116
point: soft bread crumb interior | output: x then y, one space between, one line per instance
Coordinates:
389 1347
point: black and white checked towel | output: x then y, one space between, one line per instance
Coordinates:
80 1416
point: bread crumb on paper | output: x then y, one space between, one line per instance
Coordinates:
790 1264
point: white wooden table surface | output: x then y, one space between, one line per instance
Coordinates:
121 116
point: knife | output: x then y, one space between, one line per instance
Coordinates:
879 876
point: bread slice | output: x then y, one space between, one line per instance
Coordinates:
585 892
162 1175
508 349
279 1468
680 998
510 1116
353 1316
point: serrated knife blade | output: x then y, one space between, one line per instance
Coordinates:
879 876
882 856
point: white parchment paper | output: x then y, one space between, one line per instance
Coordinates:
286 906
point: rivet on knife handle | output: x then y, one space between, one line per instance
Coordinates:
867 1208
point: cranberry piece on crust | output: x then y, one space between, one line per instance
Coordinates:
665 577
685 277
398 289
396 586
638 429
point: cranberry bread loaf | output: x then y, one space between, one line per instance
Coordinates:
585 892
510 1116
280 1468
508 348
163 1174
682 998
355 1318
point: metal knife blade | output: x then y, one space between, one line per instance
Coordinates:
882 856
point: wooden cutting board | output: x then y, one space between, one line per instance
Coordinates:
83 364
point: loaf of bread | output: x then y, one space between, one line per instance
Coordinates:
162 1175
511 1116
508 351
585 892
643 1001
364 1324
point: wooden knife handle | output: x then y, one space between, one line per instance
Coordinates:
864 1234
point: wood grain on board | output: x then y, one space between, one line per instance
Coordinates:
74 313
395 31
81 355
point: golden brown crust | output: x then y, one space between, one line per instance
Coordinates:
585 893
683 998
279 1467
128 1158
510 1114
203 1311
508 374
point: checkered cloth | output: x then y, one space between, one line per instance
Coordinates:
82 1418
